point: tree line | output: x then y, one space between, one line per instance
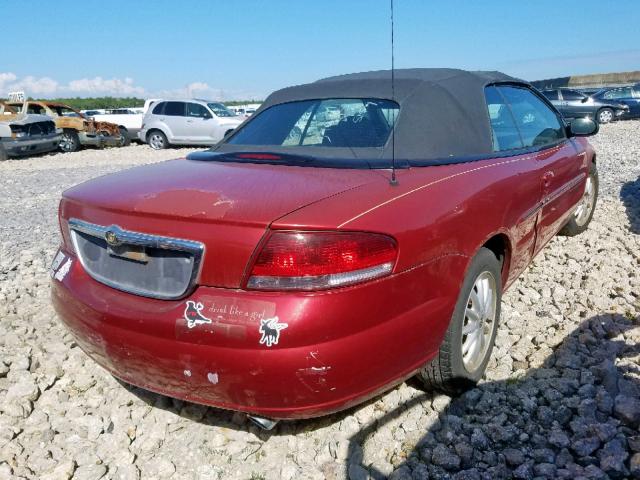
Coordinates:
94 103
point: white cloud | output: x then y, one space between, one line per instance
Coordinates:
195 86
9 82
204 90
46 87
6 78
193 89
34 86
99 85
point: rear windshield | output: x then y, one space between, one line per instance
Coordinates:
345 122
220 110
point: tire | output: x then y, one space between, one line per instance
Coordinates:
157 140
581 217
605 115
452 371
69 141
124 134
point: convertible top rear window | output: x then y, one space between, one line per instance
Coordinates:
347 123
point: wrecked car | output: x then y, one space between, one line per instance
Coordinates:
129 122
348 236
78 130
23 134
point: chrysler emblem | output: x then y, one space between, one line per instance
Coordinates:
112 238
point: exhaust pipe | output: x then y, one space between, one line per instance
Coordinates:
263 423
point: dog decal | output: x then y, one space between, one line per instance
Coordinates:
193 314
270 330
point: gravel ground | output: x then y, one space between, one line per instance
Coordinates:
560 400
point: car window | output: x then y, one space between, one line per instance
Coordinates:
551 94
220 110
618 93
174 109
504 131
571 95
63 111
37 109
350 123
157 110
197 110
537 123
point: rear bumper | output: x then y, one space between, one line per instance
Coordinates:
338 348
96 140
133 133
21 147
142 135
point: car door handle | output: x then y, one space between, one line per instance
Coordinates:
189 121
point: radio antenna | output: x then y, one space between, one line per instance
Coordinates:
393 181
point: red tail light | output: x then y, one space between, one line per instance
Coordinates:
320 260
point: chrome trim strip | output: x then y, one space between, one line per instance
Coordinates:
558 192
140 239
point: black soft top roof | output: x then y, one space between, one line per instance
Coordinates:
443 112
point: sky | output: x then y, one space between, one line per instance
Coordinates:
237 49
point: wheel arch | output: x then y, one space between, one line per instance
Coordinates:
500 244
154 129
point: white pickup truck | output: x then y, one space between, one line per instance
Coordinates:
129 120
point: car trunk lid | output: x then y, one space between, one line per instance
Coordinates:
226 206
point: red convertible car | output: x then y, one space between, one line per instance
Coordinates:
344 238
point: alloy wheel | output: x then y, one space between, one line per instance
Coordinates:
66 143
156 141
605 116
479 321
583 211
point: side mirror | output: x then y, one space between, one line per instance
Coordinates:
207 116
584 99
583 127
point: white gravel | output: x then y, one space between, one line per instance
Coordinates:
561 397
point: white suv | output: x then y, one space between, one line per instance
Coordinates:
186 122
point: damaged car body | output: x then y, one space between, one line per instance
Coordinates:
25 134
342 240
78 130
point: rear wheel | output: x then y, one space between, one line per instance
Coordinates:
605 115
69 141
157 140
583 213
468 342
124 137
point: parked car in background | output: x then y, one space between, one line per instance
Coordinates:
91 113
187 122
311 261
77 130
129 122
574 104
24 134
629 96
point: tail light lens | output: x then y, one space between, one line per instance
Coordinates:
321 260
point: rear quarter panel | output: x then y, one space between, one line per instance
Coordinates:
442 211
